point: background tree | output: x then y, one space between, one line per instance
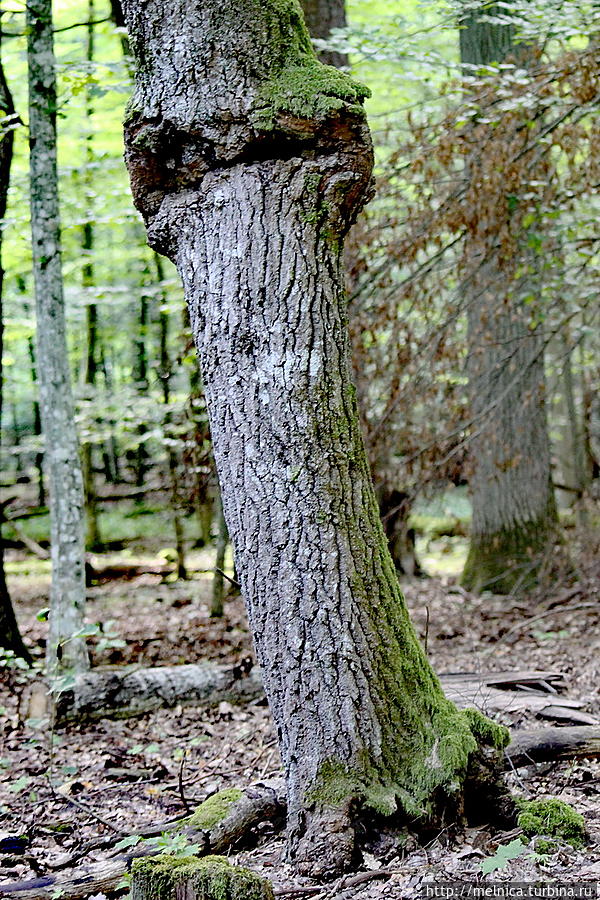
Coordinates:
321 16
10 636
256 227
61 449
513 526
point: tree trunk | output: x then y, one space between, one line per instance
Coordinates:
218 586
249 160
67 595
321 16
514 512
93 539
10 636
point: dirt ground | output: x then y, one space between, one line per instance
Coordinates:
60 792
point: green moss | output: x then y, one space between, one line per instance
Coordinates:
212 878
213 810
297 83
551 817
309 90
486 731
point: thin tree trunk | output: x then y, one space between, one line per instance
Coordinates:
165 377
37 426
93 539
140 374
67 597
514 512
218 586
249 162
10 636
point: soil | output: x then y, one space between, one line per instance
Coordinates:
61 791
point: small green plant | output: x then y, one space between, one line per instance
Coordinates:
175 845
503 855
10 660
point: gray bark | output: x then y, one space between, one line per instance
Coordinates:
249 161
122 694
514 510
67 595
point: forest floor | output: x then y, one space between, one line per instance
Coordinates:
114 778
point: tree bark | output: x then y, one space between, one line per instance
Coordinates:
514 512
67 595
321 16
249 161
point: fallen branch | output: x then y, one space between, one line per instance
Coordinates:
119 694
125 693
550 744
265 801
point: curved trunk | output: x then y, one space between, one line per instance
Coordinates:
249 161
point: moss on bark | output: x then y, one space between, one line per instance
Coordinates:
298 84
213 810
209 878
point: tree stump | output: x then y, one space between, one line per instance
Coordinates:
192 878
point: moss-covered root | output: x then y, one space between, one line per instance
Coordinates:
552 818
210 878
213 810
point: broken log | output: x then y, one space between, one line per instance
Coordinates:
119 693
219 824
551 744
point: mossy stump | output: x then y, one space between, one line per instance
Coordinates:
193 878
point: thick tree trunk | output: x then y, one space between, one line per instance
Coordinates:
61 450
249 161
514 513
321 16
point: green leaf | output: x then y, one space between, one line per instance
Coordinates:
503 855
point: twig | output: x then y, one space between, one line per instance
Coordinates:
230 580
88 811
184 799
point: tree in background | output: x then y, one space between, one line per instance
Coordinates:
249 161
514 519
67 597
10 636
321 16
